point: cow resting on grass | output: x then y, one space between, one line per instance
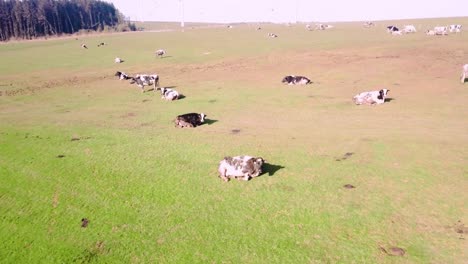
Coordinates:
292 80
169 94
160 53
455 28
240 167
371 98
189 120
464 74
409 29
122 75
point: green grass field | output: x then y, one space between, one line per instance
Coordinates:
75 142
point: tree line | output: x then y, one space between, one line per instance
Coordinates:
28 19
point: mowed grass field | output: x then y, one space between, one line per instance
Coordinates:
76 143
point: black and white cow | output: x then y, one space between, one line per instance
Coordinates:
369 24
441 30
84 46
455 28
464 74
169 94
101 44
293 80
371 98
240 167
160 53
189 120
118 60
143 80
122 75
390 29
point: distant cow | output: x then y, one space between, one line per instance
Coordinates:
101 44
464 74
396 33
455 28
322 26
122 75
189 120
169 94
369 24
441 33
84 46
390 29
293 80
409 29
240 167
118 60
430 32
143 80
160 53
440 30
370 98
271 35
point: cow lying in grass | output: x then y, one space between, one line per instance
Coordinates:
169 94
371 98
189 120
240 167
464 74
122 75
143 80
160 53
292 80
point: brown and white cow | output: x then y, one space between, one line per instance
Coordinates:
240 167
189 120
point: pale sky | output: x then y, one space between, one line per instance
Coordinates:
226 11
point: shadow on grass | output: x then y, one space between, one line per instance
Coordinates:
389 99
271 169
210 121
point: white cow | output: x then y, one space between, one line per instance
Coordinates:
409 29
371 98
455 28
464 74
440 30
369 24
169 94
430 32
160 53
118 60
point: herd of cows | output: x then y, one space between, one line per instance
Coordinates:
437 31
246 167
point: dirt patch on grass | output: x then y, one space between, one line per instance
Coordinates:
345 156
393 251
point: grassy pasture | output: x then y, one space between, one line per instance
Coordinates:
76 143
